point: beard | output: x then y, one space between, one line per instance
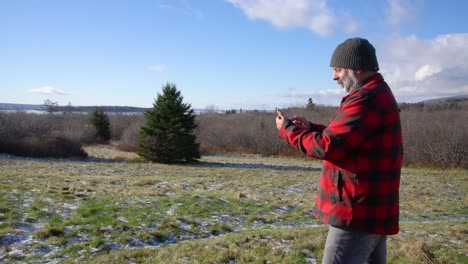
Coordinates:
349 82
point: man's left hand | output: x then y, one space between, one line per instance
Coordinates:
280 118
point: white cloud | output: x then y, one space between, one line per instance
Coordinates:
189 9
314 15
157 68
324 96
47 90
400 12
183 6
419 69
350 25
426 71
331 92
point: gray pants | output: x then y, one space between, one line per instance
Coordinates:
348 245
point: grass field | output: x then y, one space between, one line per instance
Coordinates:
115 208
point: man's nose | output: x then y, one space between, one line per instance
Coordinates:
335 77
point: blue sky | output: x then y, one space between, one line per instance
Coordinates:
226 54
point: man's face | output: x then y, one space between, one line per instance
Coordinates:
345 78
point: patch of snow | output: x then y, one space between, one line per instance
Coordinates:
16 253
10 239
94 250
107 228
455 240
171 210
122 219
184 226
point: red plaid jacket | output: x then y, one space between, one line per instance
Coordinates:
362 154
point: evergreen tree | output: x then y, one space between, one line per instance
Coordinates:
168 135
310 104
100 121
68 108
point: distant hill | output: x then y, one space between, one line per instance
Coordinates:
80 109
84 109
132 109
452 99
24 107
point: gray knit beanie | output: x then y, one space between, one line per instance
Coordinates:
356 54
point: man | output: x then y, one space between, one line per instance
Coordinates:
362 154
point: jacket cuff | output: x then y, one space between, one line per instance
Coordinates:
282 130
287 124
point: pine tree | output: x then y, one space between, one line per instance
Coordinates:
310 104
100 121
168 135
68 109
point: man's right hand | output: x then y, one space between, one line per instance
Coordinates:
301 122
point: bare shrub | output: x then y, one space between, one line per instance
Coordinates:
251 132
435 138
131 134
35 135
120 122
76 127
57 147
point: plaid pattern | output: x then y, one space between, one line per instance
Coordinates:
362 154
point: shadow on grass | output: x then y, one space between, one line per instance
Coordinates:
253 166
53 159
202 164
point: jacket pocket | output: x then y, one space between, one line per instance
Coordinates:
344 188
337 194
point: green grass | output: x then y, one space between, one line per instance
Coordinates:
242 208
263 246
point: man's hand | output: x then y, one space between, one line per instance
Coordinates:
280 118
301 122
